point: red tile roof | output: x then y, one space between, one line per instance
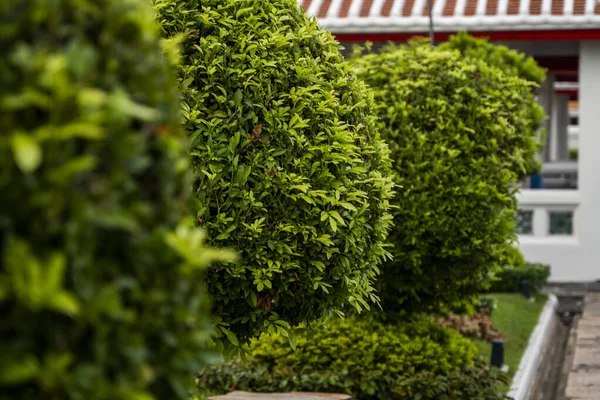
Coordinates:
347 16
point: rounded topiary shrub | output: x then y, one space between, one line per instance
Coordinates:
290 169
363 358
101 298
456 129
511 63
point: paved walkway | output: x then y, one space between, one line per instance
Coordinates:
584 376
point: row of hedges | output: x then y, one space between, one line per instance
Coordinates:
363 358
509 280
294 161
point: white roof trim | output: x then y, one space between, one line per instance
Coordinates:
459 9
418 8
568 7
523 7
589 6
547 7
438 8
481 6
354 10
502 7
397 8
453 24
315 6
334 8
376 8
417 22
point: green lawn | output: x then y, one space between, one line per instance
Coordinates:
515 317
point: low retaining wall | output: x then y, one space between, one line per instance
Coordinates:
524 381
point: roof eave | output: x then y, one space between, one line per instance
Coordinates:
412 24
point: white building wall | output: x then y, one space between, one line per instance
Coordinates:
575 257
589 162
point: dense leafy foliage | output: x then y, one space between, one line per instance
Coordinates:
573 154
511 63
509 279
363 358
289 166
456 130
101 298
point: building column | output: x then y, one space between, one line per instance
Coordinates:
589 162
545 98
559 128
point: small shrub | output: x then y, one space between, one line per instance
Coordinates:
514 64
290 168
514 257
456 128
573 154
509 280
364 358
471 383
486 305
100 297
479 325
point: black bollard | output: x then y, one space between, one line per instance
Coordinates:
497 353
525 289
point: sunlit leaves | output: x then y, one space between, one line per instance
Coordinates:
457 135
290 169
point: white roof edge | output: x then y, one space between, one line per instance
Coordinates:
453 24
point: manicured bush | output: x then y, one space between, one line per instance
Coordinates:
101 298
456 129
515 258
472 383
573 154
363 358
290 168
512 63
486 305
509 280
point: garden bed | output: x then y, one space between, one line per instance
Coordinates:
516 317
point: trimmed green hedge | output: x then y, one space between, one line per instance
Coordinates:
511 62
456 128
573 154
363 358
514 64
509 279
290 168
101 298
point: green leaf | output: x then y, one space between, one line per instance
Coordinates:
232 338
333 224
27 152
348 206
16 372
65 303
338 217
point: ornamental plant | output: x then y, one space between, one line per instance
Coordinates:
456 129
360 357
101 296
290 168
511 63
